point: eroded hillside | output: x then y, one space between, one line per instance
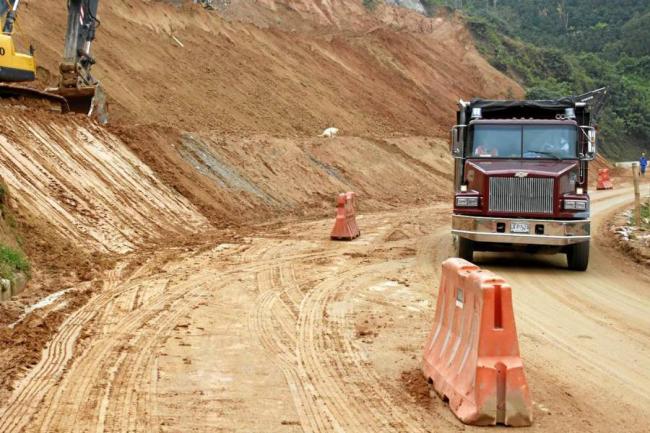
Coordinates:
276 67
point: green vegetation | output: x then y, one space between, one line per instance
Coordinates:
11 262
645 217
371 4
559 47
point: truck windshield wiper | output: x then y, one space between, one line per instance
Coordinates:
539 152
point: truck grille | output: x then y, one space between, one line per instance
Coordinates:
525 195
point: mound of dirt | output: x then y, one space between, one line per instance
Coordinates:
237 180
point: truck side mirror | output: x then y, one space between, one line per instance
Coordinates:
591 146
456 144
590 135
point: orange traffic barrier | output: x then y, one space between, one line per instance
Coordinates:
472 354
345 226
604 181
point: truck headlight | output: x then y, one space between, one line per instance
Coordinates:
467 201
576 204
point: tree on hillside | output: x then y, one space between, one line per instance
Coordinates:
557 47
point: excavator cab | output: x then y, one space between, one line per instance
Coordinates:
14 67
17 67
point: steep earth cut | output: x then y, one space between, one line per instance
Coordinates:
293 68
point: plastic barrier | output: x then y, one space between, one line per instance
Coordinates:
345 226
604 181
472 354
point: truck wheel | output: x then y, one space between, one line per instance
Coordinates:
465 249
578 256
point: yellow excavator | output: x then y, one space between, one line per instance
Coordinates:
78 90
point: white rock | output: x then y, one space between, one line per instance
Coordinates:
330 132
5 285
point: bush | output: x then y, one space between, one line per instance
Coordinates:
371 4
552 62
12 261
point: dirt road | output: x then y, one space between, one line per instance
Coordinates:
288 332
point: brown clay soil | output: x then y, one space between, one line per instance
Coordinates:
183 276
285 330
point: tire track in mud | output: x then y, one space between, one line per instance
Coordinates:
84 388
43 385
338 367
23 403
104 399
277 334
333 387
112 408
111 385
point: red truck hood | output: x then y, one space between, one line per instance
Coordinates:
544 168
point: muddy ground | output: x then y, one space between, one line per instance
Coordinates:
285 330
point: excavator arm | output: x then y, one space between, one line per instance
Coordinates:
4 7
14 66
78 90
77 58
77 85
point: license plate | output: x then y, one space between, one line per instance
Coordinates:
519 228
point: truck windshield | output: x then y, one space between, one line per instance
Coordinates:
524 141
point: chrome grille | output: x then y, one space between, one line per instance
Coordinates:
525 195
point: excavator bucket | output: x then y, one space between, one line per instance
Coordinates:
90 101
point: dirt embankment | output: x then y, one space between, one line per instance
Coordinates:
81 197
235 180
284 72
258 71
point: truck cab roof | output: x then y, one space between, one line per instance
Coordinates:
524 122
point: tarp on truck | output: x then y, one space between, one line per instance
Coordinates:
593 103
493 105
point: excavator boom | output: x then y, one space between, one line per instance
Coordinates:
78 90
77 85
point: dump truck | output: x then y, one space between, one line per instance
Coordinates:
521 176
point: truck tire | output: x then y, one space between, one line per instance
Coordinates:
578 256
465 249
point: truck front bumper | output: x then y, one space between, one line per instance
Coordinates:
541 232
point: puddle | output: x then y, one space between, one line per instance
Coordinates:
48 300
382 287
223 247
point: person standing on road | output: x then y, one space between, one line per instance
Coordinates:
643 163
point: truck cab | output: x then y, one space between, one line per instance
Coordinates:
521 177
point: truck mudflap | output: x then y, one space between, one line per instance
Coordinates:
521 230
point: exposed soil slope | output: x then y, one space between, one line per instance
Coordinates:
235 180
392 71
87 185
